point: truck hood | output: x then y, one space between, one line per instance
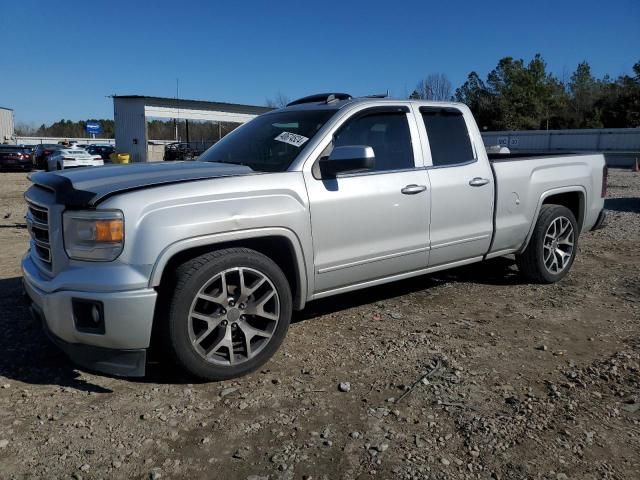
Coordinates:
86 187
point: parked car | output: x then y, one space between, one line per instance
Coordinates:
65 158
103 150
41 152
16 157
181 151
328 195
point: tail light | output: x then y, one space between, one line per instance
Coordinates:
605 176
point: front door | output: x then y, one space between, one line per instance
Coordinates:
372 224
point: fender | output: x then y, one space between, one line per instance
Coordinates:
237 235
554 191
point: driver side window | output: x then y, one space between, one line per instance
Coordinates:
387 133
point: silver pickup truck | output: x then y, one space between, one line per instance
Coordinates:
328 195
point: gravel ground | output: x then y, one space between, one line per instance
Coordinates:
463 374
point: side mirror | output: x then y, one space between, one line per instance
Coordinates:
347 159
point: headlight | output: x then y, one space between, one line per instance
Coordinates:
93 235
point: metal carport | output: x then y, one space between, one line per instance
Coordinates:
130 113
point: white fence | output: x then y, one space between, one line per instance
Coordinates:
54 140
601 140
621 146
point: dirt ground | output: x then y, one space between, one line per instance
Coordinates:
523 381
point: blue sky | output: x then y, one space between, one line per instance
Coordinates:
60 59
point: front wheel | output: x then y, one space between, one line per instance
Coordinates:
229 313
553 246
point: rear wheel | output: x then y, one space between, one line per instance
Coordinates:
229 313
553 245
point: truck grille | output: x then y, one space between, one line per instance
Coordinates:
38 225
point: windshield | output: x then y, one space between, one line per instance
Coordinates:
270 142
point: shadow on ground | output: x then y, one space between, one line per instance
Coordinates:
623 204
499 271
19 226
27 355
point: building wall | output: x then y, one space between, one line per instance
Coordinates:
6 125
131 128
155 152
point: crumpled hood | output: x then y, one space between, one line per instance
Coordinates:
88 186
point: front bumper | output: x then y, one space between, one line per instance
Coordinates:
78 164
16 165
122 363
128 319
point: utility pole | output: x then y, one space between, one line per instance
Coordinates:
177 108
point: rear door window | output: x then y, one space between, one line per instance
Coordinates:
387 133
448 136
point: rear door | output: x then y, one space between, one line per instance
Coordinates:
462 187
369 225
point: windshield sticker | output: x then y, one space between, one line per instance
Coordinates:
291 139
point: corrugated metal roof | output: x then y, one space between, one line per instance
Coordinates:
198 104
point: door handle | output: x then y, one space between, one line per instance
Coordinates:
413 189
478 181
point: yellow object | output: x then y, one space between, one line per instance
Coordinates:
120 157
109 230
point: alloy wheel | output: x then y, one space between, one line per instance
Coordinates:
233 316
558 245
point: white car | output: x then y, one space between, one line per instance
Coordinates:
71 158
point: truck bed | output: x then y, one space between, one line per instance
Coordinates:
525 180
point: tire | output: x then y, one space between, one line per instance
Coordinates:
206 315
540 262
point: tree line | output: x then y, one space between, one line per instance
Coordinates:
516 95
156 130
65 129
